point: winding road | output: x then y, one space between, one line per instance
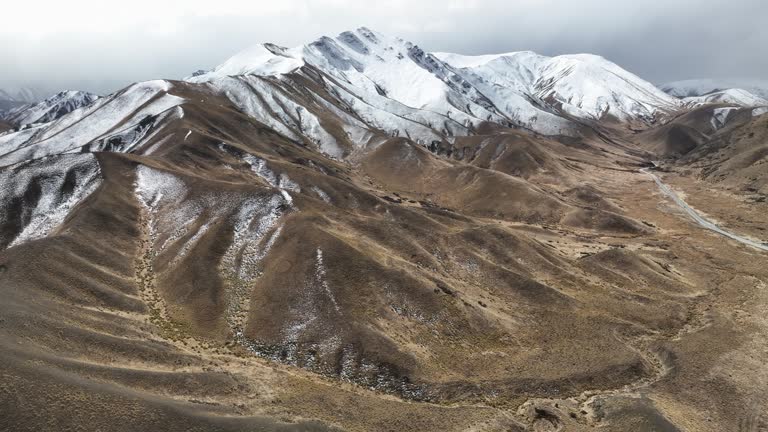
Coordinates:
666 190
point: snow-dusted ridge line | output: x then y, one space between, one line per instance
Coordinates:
734 96
513 89
51 108
107 117
173 216
702 87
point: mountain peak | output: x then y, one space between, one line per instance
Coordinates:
51 108
523 88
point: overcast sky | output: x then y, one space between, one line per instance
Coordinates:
103 45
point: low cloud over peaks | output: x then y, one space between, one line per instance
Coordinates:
86 45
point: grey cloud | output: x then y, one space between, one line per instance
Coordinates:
658 40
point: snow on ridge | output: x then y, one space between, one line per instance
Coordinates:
372 72
270 105
469 61
734 96
759 111
71 132
590 86
51 108
262 60
583 85
63 181
373 64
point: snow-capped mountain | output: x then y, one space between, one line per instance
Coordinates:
734 96
353 92
117 122
388 84
446 94
25 95
701 87
584 86
52 108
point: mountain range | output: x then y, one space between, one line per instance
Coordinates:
356 234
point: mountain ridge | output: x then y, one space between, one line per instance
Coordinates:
371 63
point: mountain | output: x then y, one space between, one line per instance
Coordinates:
25 95
355 234
50 109
372 72
14 97
117 122
701 87
736 97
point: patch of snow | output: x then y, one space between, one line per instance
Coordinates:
701 87
157 145
253 220
720 117
321 193
287 196
157 188
259 166
52 108
321 279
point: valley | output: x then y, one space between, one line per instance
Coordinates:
698 218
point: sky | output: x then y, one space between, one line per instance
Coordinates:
101 46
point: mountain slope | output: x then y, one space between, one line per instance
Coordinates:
50 109
737 97
358 235
116 122
585 86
